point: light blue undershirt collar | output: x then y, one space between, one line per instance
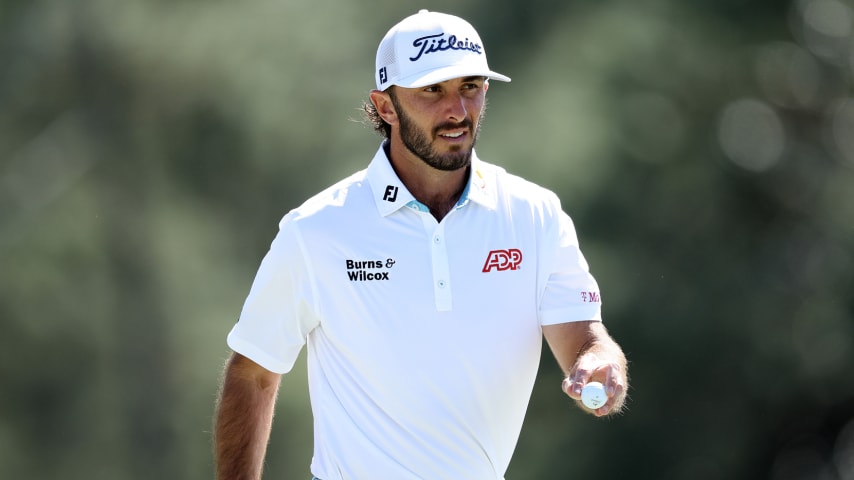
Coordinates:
464 197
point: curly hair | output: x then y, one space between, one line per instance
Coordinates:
372 116
373 119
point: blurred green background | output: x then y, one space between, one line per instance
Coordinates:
705 149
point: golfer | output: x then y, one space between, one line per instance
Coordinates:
421 286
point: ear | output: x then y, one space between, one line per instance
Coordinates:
385 107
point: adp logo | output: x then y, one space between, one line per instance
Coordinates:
500 260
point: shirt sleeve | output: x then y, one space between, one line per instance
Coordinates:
277 314
571 293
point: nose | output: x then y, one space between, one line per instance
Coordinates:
455 107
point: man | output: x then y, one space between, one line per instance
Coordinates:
422 286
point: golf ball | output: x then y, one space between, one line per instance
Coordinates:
593 395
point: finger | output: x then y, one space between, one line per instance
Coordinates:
619 397
611 381
613 403
611 376
598 412
566 385
616 389
605 409
578 380
570 388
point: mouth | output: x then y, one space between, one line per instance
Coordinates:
453 133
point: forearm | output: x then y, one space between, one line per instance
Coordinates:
244 418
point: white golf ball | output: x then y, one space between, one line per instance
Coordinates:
593 395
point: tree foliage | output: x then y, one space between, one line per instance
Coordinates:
704 149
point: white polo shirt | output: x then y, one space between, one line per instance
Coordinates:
424 337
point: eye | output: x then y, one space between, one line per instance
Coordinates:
473 84
431 89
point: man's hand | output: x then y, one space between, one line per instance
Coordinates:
590 368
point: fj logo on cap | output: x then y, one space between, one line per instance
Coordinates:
383 75
437 43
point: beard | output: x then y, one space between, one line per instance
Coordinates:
417 141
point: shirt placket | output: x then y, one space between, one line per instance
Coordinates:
439 262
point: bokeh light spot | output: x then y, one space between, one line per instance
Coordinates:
751 135
841 126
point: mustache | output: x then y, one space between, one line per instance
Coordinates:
451 126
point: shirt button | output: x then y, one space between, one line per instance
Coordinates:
441 283
437 239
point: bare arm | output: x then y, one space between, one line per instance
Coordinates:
244 417
586 352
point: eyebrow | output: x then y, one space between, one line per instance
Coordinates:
471 78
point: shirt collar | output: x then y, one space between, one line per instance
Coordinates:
390 195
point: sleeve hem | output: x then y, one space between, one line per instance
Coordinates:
575 314
258 356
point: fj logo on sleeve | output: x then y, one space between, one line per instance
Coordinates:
501 260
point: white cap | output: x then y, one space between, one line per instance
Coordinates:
428 48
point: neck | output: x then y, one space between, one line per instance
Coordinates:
439 190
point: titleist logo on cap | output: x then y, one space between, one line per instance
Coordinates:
438 43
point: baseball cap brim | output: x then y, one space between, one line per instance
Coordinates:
439 75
